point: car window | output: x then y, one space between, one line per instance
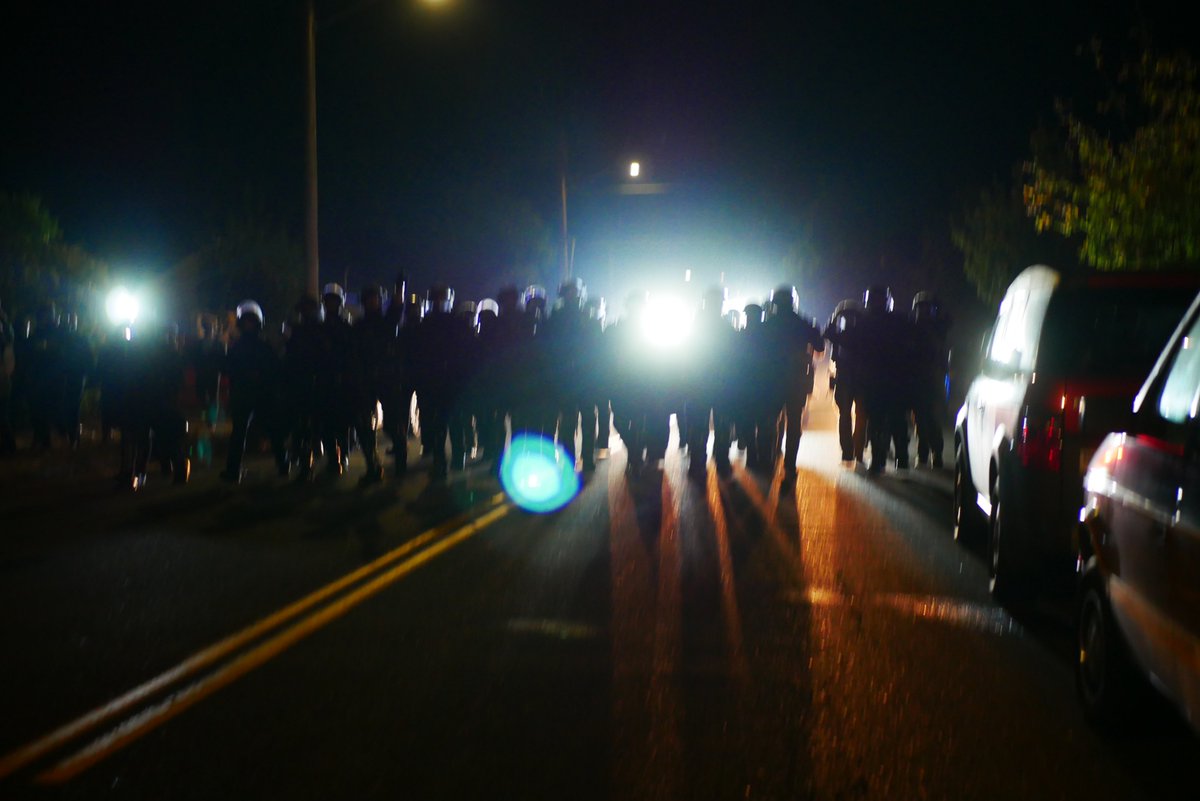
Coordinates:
1007 344
1114 332
1181 392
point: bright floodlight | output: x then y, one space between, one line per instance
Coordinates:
537 474
635 169
122 306
666 322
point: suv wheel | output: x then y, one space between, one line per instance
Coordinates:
1106 679
1005 576
968 521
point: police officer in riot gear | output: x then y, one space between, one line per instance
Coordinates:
631 392
755 424
370 342
599 386
437 359
884 340
505 373
571 344
847 384
304 355
333 406
708 393
252 369
395 374
791 340
931 356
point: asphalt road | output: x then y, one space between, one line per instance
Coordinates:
659 638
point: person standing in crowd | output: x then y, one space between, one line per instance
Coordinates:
304 355
41 375
395 382
884 340
931 326
570 350
333 408
755 424
847 384
370 345
791 340
600 387
156 425
253 371
77 365
438 369
709 394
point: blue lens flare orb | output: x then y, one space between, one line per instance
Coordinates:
538 475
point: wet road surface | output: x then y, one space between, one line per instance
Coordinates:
661 638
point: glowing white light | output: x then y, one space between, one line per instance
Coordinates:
635 169
666 322
122 306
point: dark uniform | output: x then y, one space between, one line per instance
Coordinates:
395 380
847 385
304 354
505 374
709 394
41 375
333 402
254 379
438 366
791 341
885 341
571 345
156 426
370 343
76 365
752 370
931 357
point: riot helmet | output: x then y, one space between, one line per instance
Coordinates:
441 299
485 317
372 299
878 299
597 310
309 310
250 313
509 300
785 298
572 293
753 313
926 307
713 301
535 300
845 315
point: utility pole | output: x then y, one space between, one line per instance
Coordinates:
310 220
562 175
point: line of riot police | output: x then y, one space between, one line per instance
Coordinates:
522 363
889 366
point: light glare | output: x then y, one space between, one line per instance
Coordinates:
666 322
635 169
122 306
538 474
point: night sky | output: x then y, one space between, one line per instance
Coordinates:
854 128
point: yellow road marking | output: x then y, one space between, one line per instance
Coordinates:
153 717
214 653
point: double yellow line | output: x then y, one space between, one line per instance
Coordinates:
384 571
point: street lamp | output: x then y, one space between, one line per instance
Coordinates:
634 172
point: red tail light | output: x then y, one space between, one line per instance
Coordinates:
1071 407
1040 444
